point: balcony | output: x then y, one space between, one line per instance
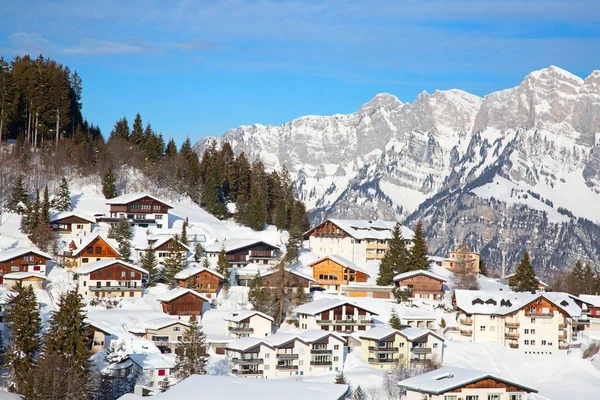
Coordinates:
512 324
247 371
562 326
466 332
161 343
539 314
321 351
236 257
466 321
563 346
329 234
377 349
284 356
114 288
240 329
420 361
383 360
286 367
366 321
261 254
247 361
514 345
562 336
420 350
511 335
321 363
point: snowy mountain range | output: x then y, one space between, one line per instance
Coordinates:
516 169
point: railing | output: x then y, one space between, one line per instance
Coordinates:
377 349
247 361
247 371
285 356
346 321
512 324
321 351
514 345
562 336
320 363
114 288
261 254
420 350
466 321
142 221
537 314
420 361
161 343
562 326
286 367
382 360
329 234
563 346
466 332
510 335
240 329
237 257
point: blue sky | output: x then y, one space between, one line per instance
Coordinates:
198 67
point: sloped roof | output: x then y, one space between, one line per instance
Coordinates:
239 316
83 242
291 271
7 255
66 214
410 274
159 242
445 379
507 277
191 271
310 336
368 229
235 244
594 300
95 266
178 292
129 197
413 334
245 343
153 361
159 323
318 306
340 260
379 333
23 275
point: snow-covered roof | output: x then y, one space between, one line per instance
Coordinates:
162 240
5 294
67 214
23 275
310 336
594 300
245 343
505 302
234 244
507 277
291 271
196 269
379 333
83 242
7 255
153 360
178 292
233 387
413 334
342 261
129 197
410 274
318 306
252 269
239 316
368 229
445 379
95 266
159 323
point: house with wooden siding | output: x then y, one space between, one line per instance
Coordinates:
85 250
165 333
249 323
71 224
110 278
33 279
244 251
202 280
333 271
451 383
421 284
23 260
334 315
139 209
182 301
291 278
164 247
356 240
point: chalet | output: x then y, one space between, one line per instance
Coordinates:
291 279
511 281
249 323
245 275
149 368
33 279
164 247
451 383
471 258
334 315
244 251
354 289
140 209
421 284
181 301
385 348
312 352
71 224
591 304
165 333
110 278
23 260
202 280
355 240
332 271
100 335
537 323
85 250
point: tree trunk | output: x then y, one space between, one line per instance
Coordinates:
28 124
1 123
57 125
36 132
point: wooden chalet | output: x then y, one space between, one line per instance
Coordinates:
421 284
292 279
202 280
71 223
110 278
164 247
33 279
139 209
244 251
83 251
181 301
23 260
332 271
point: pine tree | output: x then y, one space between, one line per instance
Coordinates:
205 263
184 238
174 264
137 133
192 357
149 263
300 296
62 199
525 276
256 217
223 266
18 198
296 231
257 295
109 188
395 259
199 252
281 214
165 384
45 209
395 322
482 267
340 378
359 394
120 130
418 258
576 279
171 150
587 286
121 232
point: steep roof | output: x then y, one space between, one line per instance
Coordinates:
159 242
291 271
153 361
446 379
507 277
594 300
342 261
83 242
159 323
191 271
413 334
178 292
410 274
245 343
7 255
239 316
318 306
23 275
368 229
381 332
235 244
310 336
130 197
95 266
66 214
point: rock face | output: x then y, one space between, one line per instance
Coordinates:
517 169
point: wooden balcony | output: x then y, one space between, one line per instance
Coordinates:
261 254
420 350
466 321
511 335
512 324
286 367
237 257
247 361
377 349
321 351
563 346
562 336
353 321
562 326
321 363
286 356
240 329
538 314
466 332
114 288
329 234
382 360
513 345
247 371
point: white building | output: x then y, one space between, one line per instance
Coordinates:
165 332
140 209
534 322
334 315
241 252
163 247
313 352
150 368
110 278
356 240
249 323
450 383
71 224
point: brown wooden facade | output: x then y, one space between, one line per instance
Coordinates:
96 250
186 304
327 229
65 225
490 383
290 280
203 282
423 286
141 206
542 307
23 263
116 272
328 272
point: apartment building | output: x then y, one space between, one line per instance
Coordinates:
249 323
355 240
534 322
139 209
335 315
165 333
421 284
241 252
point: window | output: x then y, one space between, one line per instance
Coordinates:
493 397
435 345
472 397
176 329
158 216
543 342
84 283
549 343
134 206
84 260
526 342
452 397
159 226
161 372
401 344
180 338
98 250
514 397
533 342
533 320
145 207
533 331
482 328
132 274
336 358
79 226
131 294
156 208
526 331
491 317
492 328
267 367
36 268
336 347
123 274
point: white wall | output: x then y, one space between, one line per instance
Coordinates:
324 246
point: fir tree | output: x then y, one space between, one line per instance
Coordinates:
62 199
18 198
223 266
45 209
120 130
587 286
171 150
184 238
192 357
340 378
281 214
174 264
257 295
525 276
205 263
395 322
137 133
121 232
395 259
149 263
482 267
359 394
199 252
165 384
417 258
109 188
300 295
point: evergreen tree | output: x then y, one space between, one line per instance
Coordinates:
340 378
296 231
109 189
418 258
171 150
281 214
192 357
482 267
256 213
257 295
137 133
395 259
205 263
174 263
148 262
525 276
576 279
120 130
359 394
62 199
300 296
223 266
165 384
199 252
121 232
45 209
184 238
587 286
19 197
395 322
